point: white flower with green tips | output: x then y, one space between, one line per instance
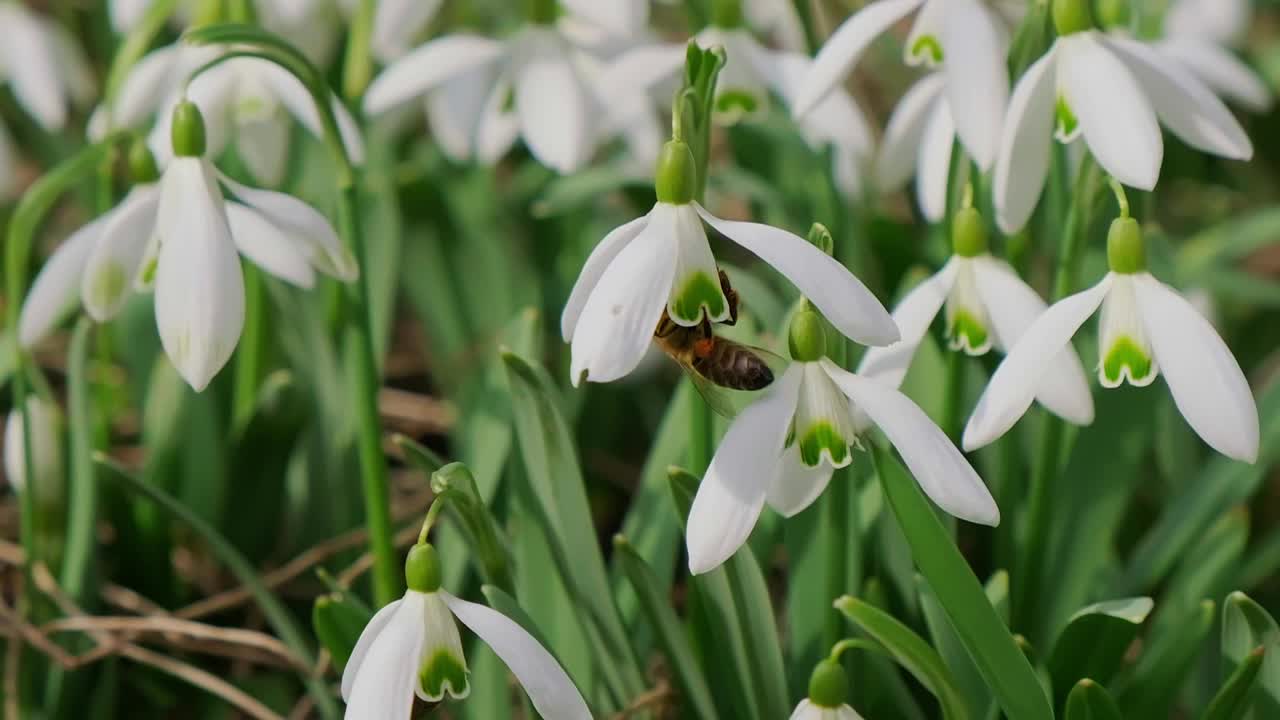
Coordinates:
1146 329
1199 34
985 304
783 449
411 647
1113 92
662 261
968 39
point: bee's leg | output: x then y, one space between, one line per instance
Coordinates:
731 296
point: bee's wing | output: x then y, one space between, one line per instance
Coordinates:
728 402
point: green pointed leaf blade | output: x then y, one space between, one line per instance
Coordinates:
1233 699
1094 643
1246 626
1090 701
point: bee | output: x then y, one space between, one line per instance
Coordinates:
713 362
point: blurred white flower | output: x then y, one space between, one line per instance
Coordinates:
1146 328
1200 33
46 449
554 109
809 710
918 142
969 39
783 448
46 72
1109 90
411 647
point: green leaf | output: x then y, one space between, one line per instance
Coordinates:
1090 701
454 483
969 682
1245 627
1233 699
1150 691
910 650
337 623
1094 643
984 635
759 630
654 602
419 456
569 192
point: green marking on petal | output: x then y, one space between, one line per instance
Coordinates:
928 48
149 272
1126 354
823 436
737 102
968 333
1067 123
107 285
443 671
699 293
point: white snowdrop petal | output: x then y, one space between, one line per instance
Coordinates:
1222 71
933 173
592 270
413 75
1022 164
56 289
199 302
291 93
624 18
117 258
31 60
126 13
550 689
905 132
695 288
840 296
913 315
796 485
456 108
370 633
837 120
1207 384
1020 375
616 324
306 225
45 421
943 473
844 48
397 22
1182 102
268 247
443 667
1219 21
1012 305
1117 121
977 77
383 685
733 491
552 102
263 146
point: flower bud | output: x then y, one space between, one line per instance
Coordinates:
726 13
142 164
807 338
820 237
1126 250
422 568
46 450
1071 16
829 685
1112 13
677 177
188 130
968 233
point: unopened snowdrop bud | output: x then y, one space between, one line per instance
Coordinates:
188 130
46 466
726 13
829 684
1126 250
676 180
820 237
1112 13
142 164
1071 16
968 233
808 336
422 568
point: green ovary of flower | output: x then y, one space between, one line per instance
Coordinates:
108 284
440 671
699 294
1067 123
1125 353
822 436
968 333
736 102
928 48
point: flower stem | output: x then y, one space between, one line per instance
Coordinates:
953 403
249 351
83 497
1049 445
804 11
357 71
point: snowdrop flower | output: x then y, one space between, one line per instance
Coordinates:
969 39
1109 90
662 261
828 690
783 449
918 141
1146 329
1199 33
411 647
554 107
986 305
46 449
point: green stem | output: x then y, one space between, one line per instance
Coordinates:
835 506
953 403
83 502
249 352
276 613
134 47
804 11
1049 445
357 71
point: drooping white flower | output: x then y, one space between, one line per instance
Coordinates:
1199 34
46 449
1146 329
1113 92
783 449
555 109
809 710
969 39
411 647
828 692
986 305
662 261
918 142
